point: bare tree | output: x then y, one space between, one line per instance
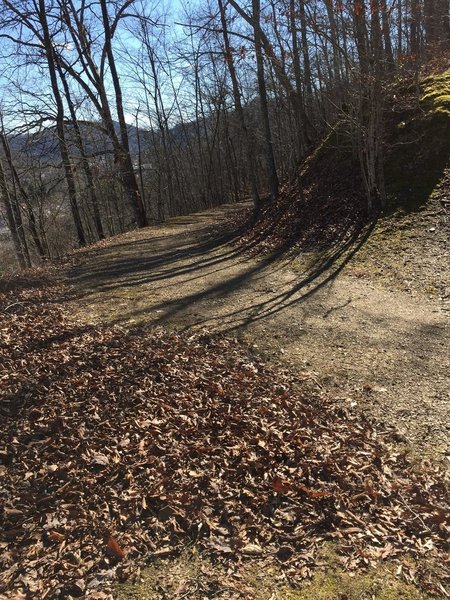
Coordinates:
14 221
239 109
32 221
60 127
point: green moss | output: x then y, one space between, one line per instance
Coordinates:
378 583
436 94
418 148
354 588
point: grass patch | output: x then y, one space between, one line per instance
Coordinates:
193 575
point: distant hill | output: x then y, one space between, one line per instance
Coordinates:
44 144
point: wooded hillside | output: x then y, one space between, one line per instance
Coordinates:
226 101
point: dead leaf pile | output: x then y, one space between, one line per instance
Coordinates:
118 446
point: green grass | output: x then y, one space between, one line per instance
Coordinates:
197 577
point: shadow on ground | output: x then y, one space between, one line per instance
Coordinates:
191 270
314 311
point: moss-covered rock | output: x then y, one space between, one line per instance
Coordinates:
436 94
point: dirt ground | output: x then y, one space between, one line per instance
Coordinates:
369 321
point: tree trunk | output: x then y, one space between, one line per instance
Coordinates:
399 29
29 207
268 145
15 225
251 167
389 55
361 37
49 53
376 39
334 42
128 176
416 18
430 9
305 46
84 159
299 110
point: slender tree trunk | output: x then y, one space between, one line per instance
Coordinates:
360 27
128 175
373 144
28 205
305 46
416 19
399 29
430 9
15 224
268 145
84 159
166 163
389 55
270 55
141 171
299 109
376 38
49 53
334 42
251 169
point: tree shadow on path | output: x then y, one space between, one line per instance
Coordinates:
196 274
320 273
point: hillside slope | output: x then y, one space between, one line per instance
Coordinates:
323 207
189 439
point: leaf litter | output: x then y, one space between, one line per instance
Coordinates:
120 446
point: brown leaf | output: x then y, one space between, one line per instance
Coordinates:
100 459
12 513
55 536
371 492
113 549
252 550
12 534
282 486
316 494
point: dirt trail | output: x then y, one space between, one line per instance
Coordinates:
380 348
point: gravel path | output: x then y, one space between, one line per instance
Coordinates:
328 316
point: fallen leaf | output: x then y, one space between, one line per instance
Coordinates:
55 536
252 550
113 549
282 486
